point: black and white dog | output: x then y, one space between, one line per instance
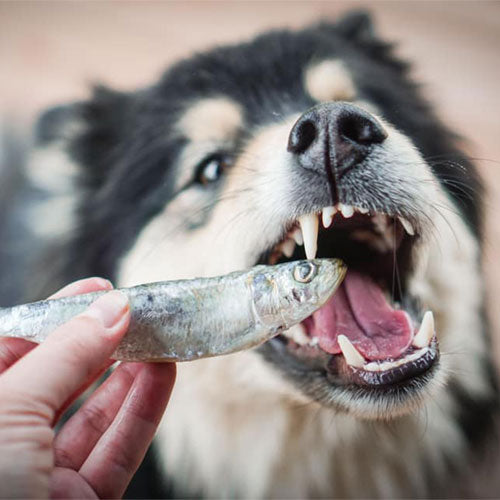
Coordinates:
295 144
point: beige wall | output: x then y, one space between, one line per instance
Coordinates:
51 51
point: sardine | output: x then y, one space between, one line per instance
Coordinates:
190 319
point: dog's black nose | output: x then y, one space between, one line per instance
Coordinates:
335 136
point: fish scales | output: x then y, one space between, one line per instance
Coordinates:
203 317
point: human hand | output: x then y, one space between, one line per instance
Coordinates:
98 450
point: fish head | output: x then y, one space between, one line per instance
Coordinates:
288 293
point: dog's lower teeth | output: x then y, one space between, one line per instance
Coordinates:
426 332
352 356
377 366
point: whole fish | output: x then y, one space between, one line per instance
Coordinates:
190 319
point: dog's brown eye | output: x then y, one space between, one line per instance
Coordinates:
211 169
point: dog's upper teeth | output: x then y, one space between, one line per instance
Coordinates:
407 225
288 247
309 225
297 236
380 222
327 216
352 356
424 336
298 334
361 210
314 342
346 210
381 244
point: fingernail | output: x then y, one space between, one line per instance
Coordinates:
103 283
109 308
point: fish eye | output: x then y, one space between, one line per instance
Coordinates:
212 168
304 272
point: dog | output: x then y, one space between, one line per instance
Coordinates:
296 144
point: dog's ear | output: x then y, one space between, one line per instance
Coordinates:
356 25
101 127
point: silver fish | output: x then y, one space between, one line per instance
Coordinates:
190 319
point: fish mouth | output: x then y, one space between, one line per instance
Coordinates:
371 335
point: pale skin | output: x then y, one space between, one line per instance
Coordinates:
97 451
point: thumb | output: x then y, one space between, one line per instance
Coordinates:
46 377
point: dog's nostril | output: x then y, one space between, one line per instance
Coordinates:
302 136
360 129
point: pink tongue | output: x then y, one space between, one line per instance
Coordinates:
359 311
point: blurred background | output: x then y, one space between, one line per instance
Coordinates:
50 52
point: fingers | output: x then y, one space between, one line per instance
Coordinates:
95 377
87 285
47 376
67 483
13 349
82 431
121 449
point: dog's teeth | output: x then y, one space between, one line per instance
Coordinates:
380 222
297 236
374 241
327 216
351 354
314 342
288 247
309 225
407 225
347 210
362 210
424 336
298 334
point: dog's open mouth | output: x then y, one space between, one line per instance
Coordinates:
369 333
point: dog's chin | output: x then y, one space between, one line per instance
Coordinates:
370 350
329 381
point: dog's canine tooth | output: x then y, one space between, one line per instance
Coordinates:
407 225
309 225
327 216
351 354
361 210
346 210
287 247
427 329
297 236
